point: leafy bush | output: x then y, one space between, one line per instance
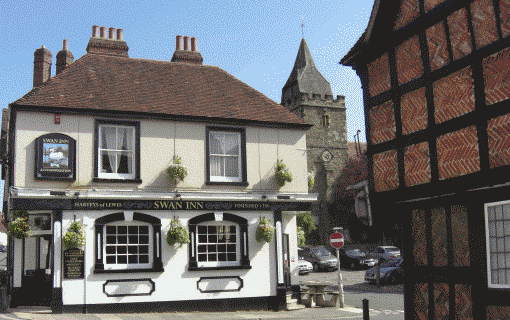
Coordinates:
282 174
177 234
301 237
265 231
311 180
74 237
19 228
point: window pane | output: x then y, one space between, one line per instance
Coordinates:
143 249
144 239
202 238
211 229
105 162
133 229
110 249
143 258
231 257
111 240
506 226
122 249
202 249
211 257
132 249
507 244
122 259
506 212
212 239
501 260
202 229
499 228
215 143
108 138
491 213
125 162
122 230
217 166
231 248
110 230
501 244
222 248
492 229
231 144
133 259
144 229
122 240
202 257
502 276
222 257
133 239
493 244
110 259
232 167
499 212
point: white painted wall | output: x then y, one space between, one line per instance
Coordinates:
176 282
158 137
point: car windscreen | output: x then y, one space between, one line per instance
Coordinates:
354 252
391 263
393 249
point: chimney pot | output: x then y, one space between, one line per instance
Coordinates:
178 42
64 58
64 45
193 44
186 45
95 31
103 32
42 66
111 33
120 34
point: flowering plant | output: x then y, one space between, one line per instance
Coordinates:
19 228
177 172
177 234
282 173
74 237
265 231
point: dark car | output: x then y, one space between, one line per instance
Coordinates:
320 258
355 259
391 272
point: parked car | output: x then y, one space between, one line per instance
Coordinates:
304 266
355 259
320 258
391 272
384 253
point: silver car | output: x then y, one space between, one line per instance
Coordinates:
384 253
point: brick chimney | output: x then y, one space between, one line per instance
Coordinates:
64 58
186 55
42 66
101 43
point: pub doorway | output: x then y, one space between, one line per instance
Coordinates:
37 279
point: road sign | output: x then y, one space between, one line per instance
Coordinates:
337 240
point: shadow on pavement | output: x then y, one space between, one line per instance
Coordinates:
367 287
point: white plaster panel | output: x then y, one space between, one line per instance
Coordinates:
128 287
290 227
18 258
176 282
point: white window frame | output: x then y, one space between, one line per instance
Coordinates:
112 175
239 178
237 262
110 266
498 246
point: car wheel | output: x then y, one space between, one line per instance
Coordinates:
315 267
392 279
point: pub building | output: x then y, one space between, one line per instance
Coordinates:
434 75
88 157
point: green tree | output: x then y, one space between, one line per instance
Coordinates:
306 222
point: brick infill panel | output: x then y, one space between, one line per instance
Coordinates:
498 132
417 164
441 300
463 301
496 73
504 14
460 37
409 64
409 10
413 110
379 75
382 123
484 22
454 95
385 171
431 4
457 153
438 48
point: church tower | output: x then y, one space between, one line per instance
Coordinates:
308 94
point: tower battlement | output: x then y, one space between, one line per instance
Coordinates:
323 99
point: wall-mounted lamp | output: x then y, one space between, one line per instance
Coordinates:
178 196
264 197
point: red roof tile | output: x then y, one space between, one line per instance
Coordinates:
115 83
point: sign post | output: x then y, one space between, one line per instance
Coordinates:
337 241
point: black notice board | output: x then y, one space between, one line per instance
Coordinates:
74 264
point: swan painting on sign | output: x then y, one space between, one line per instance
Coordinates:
55 155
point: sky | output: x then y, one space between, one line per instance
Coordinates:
256 41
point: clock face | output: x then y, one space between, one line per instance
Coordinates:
326 156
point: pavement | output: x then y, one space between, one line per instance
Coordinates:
40 313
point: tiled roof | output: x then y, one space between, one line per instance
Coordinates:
116 83
351 149
306 74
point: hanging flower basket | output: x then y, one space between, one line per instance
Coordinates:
74 237
19 228
176 171
265 231
282 174
177 234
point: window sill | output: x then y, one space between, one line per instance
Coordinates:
98 271
225 183
218 268
117 180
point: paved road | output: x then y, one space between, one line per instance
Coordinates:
385 300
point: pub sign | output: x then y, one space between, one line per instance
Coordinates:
55 157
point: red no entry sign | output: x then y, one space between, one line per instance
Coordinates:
337 240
